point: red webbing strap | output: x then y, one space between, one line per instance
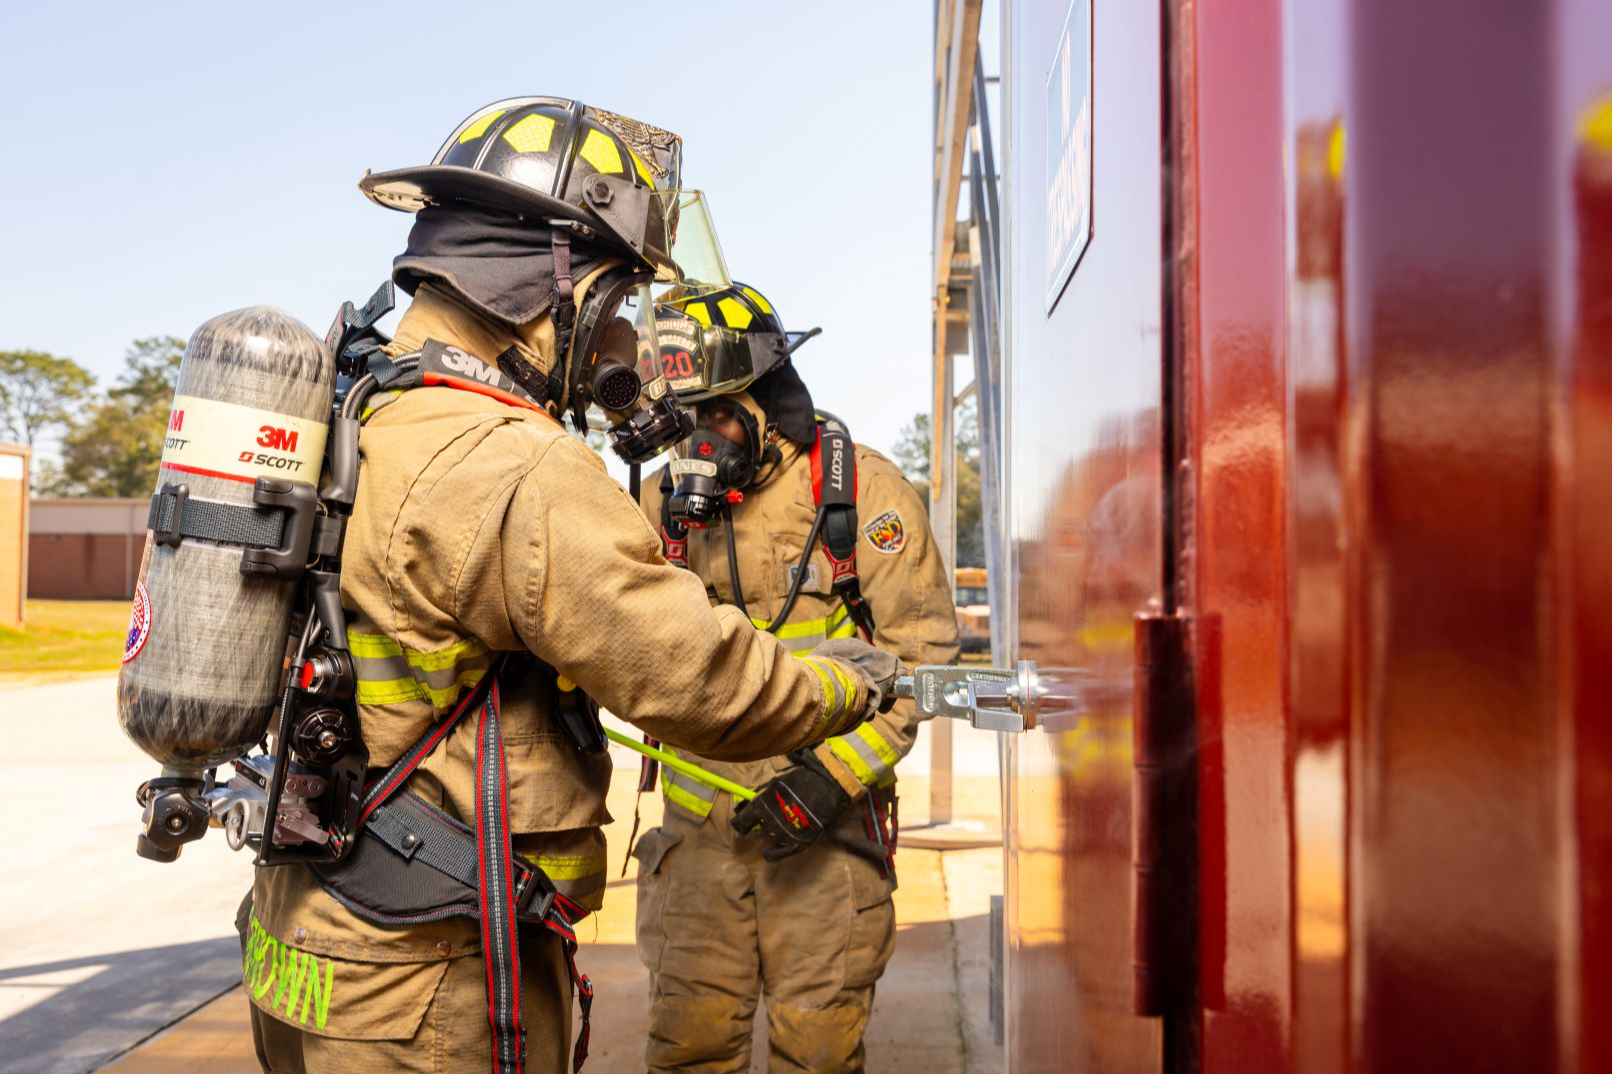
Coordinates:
562 913
500 949
496 869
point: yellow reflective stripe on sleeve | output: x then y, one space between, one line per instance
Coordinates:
392 691
578 877
388 691
869 755
372 646
362 645
841 696
881 746
388 673
437 660
847 753
571 867
832 702
845 683
691 795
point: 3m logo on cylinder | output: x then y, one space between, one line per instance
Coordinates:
280 440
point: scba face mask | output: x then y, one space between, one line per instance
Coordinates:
622 373
710 471
706 469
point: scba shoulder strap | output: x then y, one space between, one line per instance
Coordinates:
834 489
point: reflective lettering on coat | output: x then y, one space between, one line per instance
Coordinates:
469 365
286 979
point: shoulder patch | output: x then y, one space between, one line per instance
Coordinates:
887 533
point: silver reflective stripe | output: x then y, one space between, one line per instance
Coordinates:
389 673
580 878
874 769
807 635
686 792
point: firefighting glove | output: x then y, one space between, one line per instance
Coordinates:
878 669
792 810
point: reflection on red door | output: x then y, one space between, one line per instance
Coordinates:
1374 296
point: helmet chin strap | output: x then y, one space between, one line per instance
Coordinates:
565 315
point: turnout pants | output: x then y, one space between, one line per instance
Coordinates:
718 927
452 1035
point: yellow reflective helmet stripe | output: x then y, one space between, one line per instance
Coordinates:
532 134
735 313
643 169
699 312
599 150
756 297
479 128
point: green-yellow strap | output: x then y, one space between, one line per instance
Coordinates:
672 761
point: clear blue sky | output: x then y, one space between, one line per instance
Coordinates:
165 162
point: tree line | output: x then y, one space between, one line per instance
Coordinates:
912 456
111 438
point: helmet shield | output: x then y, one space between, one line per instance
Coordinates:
697 264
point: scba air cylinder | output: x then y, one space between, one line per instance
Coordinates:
203 661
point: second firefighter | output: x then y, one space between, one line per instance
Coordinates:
816 539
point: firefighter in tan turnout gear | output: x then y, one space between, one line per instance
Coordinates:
773 510
490 561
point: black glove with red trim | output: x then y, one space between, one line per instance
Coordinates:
793 809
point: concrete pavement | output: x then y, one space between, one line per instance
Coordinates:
112 960
103 948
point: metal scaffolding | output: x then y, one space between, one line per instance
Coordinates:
966 318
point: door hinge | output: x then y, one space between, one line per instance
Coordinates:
1164 840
